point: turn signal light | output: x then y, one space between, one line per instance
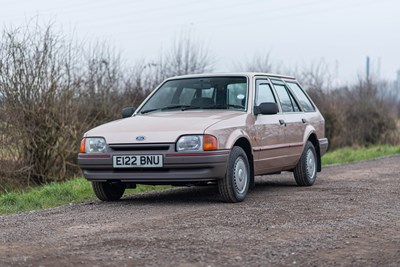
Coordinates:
82 147
210 142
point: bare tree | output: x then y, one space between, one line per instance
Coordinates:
102 82
369 115
261 62
52 91
316 76
36 81
187 56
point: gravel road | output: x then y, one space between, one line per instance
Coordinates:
350 217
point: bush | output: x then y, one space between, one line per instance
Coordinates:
357 116
52 91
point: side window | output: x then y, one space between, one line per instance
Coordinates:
294 102
284 98
264 92
207 92
301 96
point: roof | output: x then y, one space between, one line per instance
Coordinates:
248 74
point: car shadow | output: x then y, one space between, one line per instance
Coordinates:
194 194
274 181
205 194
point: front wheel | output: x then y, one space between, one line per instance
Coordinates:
108 191
305 171
234 186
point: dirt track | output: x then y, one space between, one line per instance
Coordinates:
351 216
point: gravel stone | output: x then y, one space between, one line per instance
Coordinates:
350 217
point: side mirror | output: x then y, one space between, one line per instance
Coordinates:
128 112
266 108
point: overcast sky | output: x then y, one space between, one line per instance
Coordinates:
294 33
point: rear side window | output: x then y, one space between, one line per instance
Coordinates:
294 102
301 96
286 99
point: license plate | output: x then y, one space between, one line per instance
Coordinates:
138 161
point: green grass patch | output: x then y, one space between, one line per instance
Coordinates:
345 155
79 190
56 194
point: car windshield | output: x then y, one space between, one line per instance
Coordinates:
199 93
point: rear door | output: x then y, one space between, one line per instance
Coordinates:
294 121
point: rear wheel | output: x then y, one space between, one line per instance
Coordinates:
234 186
305 171
106 191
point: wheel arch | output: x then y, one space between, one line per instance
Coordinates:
314 140
245 144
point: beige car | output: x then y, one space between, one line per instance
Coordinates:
219 129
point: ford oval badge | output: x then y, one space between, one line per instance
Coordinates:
140 138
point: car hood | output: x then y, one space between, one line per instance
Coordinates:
160 127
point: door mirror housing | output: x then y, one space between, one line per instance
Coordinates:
128 112
266 108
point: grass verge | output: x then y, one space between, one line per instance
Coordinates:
56 194
79 190
345 155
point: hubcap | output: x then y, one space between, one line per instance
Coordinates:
311 164
240 176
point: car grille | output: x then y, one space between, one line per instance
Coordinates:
140 147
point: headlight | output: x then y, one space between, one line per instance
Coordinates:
93 145
190 142
197 143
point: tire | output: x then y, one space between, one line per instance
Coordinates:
305 172
235 185
108 191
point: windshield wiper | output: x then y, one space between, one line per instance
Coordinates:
149 110
182 107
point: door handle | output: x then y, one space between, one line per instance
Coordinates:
282 122
304 120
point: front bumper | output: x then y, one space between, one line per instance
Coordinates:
177 167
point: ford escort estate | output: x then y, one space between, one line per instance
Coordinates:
221 129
